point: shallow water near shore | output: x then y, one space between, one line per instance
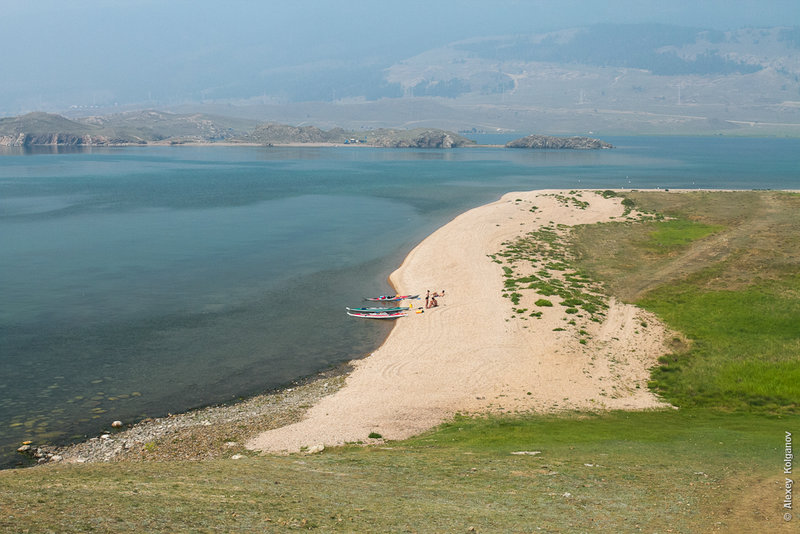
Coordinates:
142 281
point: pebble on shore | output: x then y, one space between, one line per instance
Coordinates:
212 432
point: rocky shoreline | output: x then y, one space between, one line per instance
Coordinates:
206 433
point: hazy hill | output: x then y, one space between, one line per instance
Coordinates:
124 128
38 123
511 63
273 133
633 78
738 75
151 125
607 78
47 129
570 143
416 138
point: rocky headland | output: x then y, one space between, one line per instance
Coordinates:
561 143
276 134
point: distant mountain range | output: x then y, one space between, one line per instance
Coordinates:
603 79
610 78
620 56
636 62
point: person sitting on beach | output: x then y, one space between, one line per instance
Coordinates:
427 299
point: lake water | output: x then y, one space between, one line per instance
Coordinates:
140 281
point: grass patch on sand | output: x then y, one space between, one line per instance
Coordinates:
539 263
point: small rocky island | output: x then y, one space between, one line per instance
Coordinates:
560 143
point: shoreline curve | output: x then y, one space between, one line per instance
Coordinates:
469 355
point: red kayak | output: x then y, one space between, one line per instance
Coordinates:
392 298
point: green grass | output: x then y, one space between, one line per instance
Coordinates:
752 235
723 273
617 472
671 235
745 351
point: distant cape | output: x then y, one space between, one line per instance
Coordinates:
156 127
272 133
546 141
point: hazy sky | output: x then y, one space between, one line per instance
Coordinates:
56 52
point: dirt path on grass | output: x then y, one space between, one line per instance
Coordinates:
748 236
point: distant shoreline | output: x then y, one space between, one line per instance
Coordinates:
227 144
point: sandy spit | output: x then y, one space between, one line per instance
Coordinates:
469 355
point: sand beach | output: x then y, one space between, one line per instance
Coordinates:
472 353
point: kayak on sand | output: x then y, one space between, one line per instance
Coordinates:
391 298
392 315
378 310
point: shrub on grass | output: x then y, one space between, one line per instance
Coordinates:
544 303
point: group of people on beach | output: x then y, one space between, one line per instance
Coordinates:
430 300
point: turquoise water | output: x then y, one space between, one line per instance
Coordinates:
140 281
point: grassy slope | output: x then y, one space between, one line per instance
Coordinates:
716 464
616 472
723 272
